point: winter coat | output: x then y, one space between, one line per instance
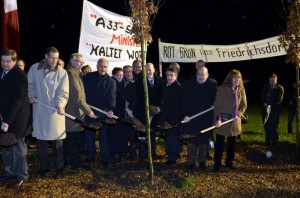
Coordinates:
14 104
197 98
275 98
52 90
224 104
171 106
100 92
76 105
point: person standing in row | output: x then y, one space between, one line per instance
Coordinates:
129 86
171 111
15 112
100 91
49 84
230 103
137 69
154 84
118 142
199 95
78 108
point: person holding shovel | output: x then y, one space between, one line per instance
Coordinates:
15 114
49 84
199 95
271 97
78 107
230 103
171 111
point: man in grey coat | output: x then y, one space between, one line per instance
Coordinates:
77 107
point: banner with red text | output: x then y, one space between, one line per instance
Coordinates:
270 47
105 34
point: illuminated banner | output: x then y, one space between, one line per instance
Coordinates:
169 52
105 34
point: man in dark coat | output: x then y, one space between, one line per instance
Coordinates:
271 97
100 91
15 110
154 84
129 89
171 112
199 95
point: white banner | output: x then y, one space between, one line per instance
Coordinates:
105 34
169 52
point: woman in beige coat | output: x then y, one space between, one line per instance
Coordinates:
230 103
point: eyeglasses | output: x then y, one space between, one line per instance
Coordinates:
55 59
81 62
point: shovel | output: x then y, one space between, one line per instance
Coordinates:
268 110
95 125
166 126
136 124
189 136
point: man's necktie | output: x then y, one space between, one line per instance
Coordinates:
151 82
3 74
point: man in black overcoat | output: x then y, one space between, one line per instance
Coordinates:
15 111
199 95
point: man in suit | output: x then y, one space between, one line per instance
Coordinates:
154 84
15 110
77 107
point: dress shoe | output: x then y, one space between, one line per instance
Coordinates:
58 173
81 168
170 162
217 168
18 183
87 160
202 166
230 166
6 178
44 172
105 164
192 167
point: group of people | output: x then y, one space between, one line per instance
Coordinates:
55 92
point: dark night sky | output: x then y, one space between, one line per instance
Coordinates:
46 23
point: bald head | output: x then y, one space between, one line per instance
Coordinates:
202 75
150 70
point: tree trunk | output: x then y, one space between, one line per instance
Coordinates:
148 130
297 116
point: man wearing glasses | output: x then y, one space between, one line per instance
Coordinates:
77 107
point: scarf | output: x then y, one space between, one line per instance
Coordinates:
235 101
